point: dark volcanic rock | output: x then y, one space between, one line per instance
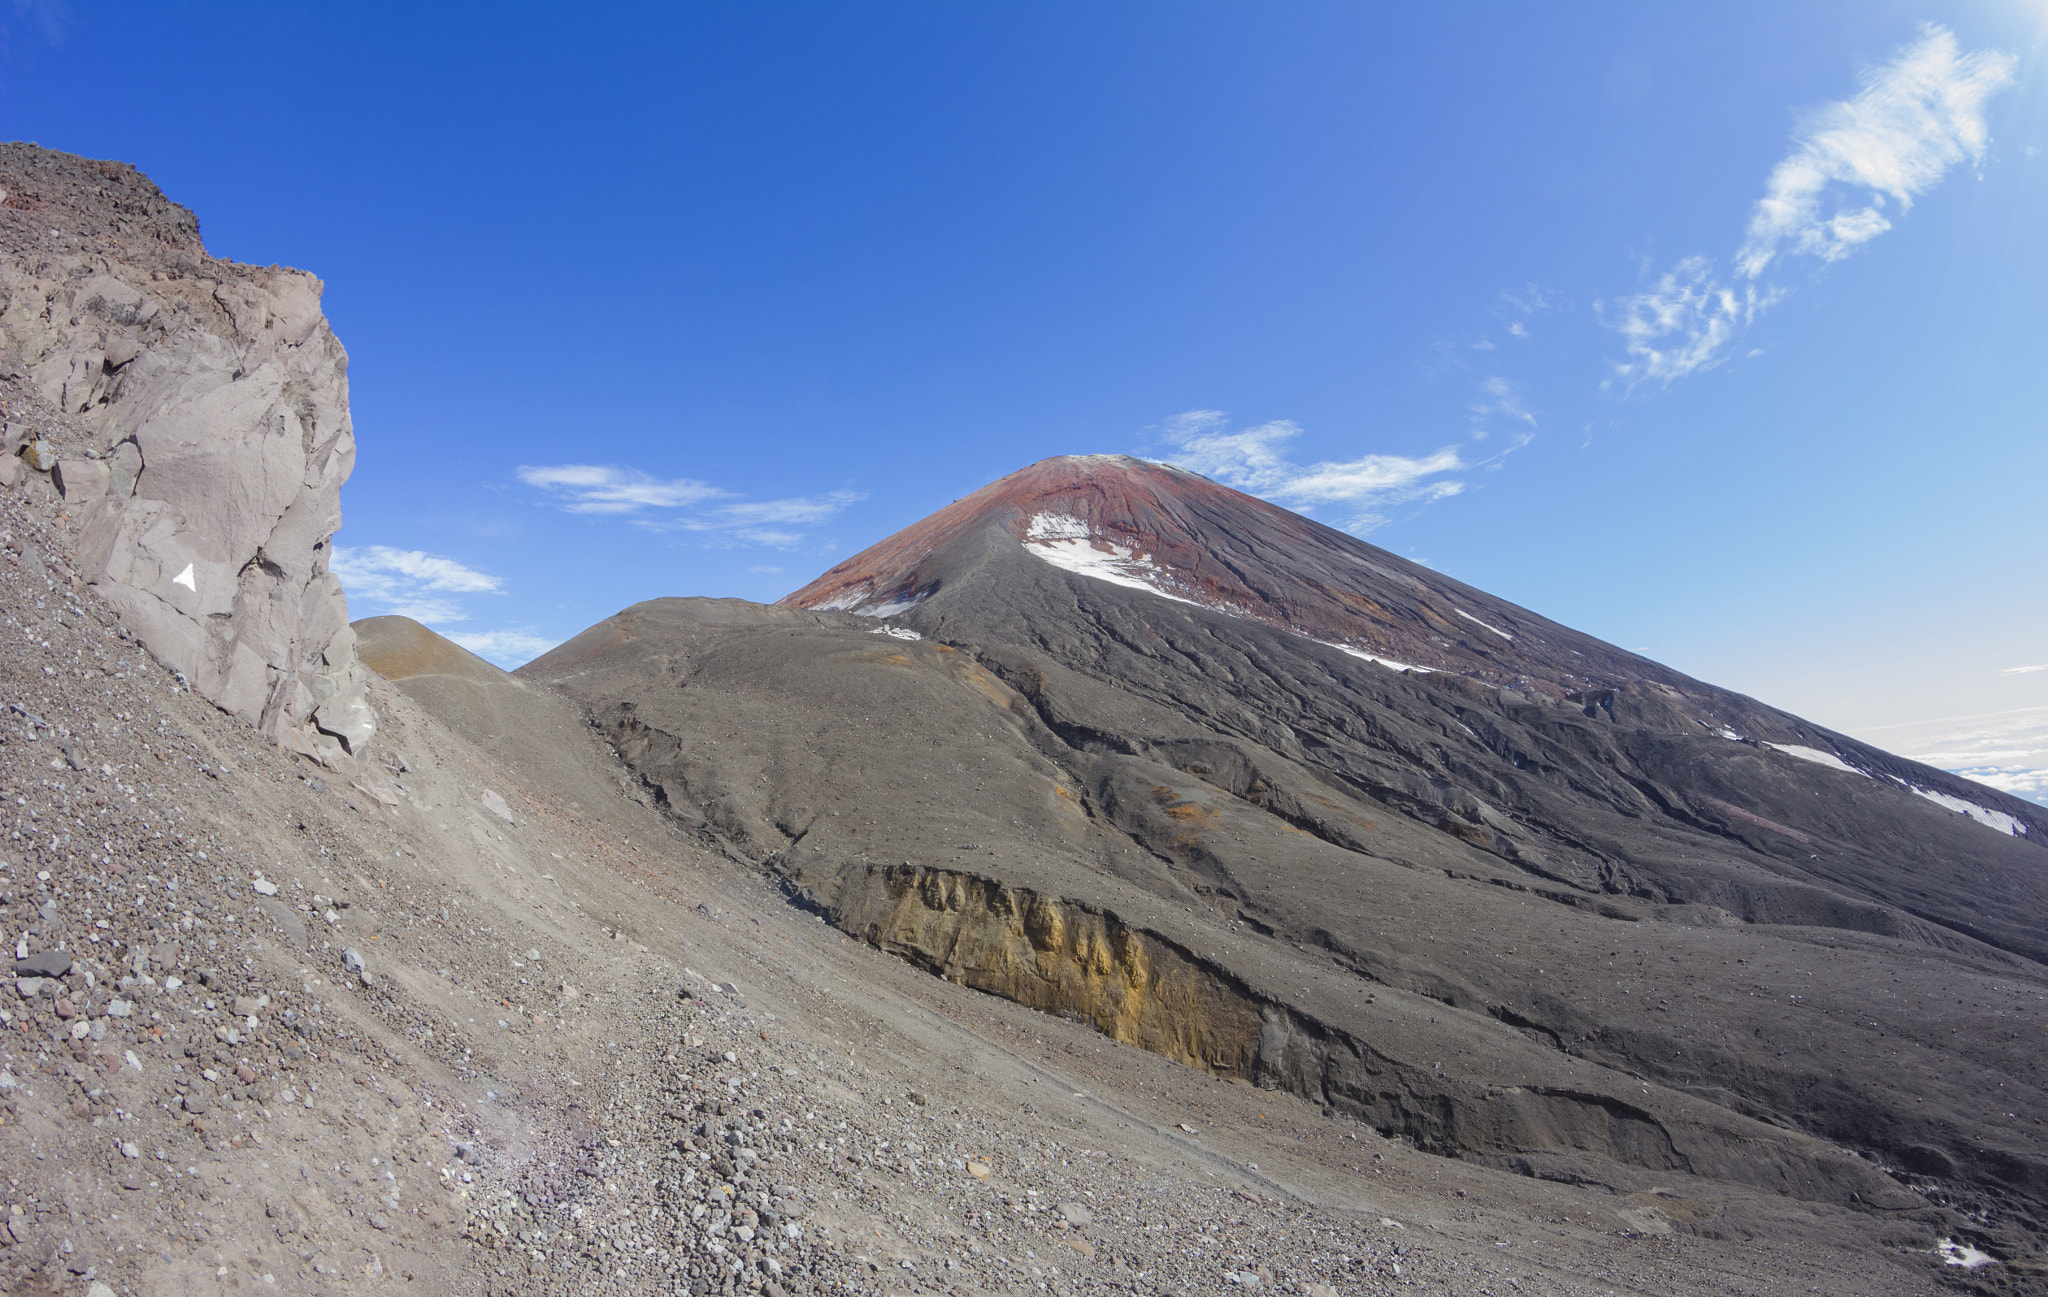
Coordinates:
45 963
1547 905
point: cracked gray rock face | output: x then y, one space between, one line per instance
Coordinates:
214 399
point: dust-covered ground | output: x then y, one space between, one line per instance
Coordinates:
443 1028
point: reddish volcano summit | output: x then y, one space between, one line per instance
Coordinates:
1180 536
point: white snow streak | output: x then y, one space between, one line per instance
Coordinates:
1985 816
1065 543
893 607
1056 526
1818 757
1964 1255
1374 658
858 601
1475 621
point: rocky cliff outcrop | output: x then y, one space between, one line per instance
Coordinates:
212 399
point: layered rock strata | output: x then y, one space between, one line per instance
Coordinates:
214 401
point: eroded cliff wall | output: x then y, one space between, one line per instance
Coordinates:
213 402
1143 989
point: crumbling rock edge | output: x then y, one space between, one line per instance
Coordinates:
1140 988
212 403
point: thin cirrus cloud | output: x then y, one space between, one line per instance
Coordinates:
1499 396
409 582
2024 671
1855 163
1254 460
427 588
1518 308
507 648
602 488
683 504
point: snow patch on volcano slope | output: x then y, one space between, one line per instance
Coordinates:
1489 626
1818 757
1962 1254
1066 543
893 607
1376 659
860 602
1984 815
1056 526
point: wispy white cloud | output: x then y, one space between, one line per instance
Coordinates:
427 588
1253 460
797 510
1499 396
1853 161
605 488
1523 305
506 648
1684 323
2022 671
683 504
409 582
1916 117
1532 299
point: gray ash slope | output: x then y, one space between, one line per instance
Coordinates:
1580 934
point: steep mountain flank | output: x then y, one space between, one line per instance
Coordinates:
1590 933
528 726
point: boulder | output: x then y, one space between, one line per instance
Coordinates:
47 963
124 466
348 717
81 480
219 400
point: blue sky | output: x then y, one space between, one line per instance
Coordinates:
1715 330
